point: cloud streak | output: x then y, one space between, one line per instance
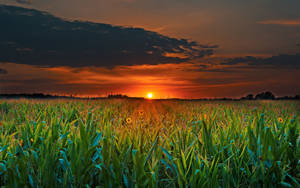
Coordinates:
279 61
294 22
3 71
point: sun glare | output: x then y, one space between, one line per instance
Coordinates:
149 95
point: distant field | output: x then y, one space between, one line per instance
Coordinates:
148 143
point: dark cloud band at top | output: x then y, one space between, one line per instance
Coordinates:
38 38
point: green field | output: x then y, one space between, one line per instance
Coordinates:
149 143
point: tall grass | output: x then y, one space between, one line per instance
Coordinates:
124 143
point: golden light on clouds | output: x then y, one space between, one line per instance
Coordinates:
184 80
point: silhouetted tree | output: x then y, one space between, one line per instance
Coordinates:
117 96
250 97
265 95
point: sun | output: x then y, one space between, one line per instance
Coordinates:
149 95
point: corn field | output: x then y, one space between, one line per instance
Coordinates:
149 143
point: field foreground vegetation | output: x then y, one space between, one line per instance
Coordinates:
149 143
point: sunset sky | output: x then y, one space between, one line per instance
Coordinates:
171 48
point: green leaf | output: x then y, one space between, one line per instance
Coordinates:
285 184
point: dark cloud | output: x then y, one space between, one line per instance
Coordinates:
238 60
279 61
214 81
3 71
30 81
24 1
217 70
208 46
38 38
